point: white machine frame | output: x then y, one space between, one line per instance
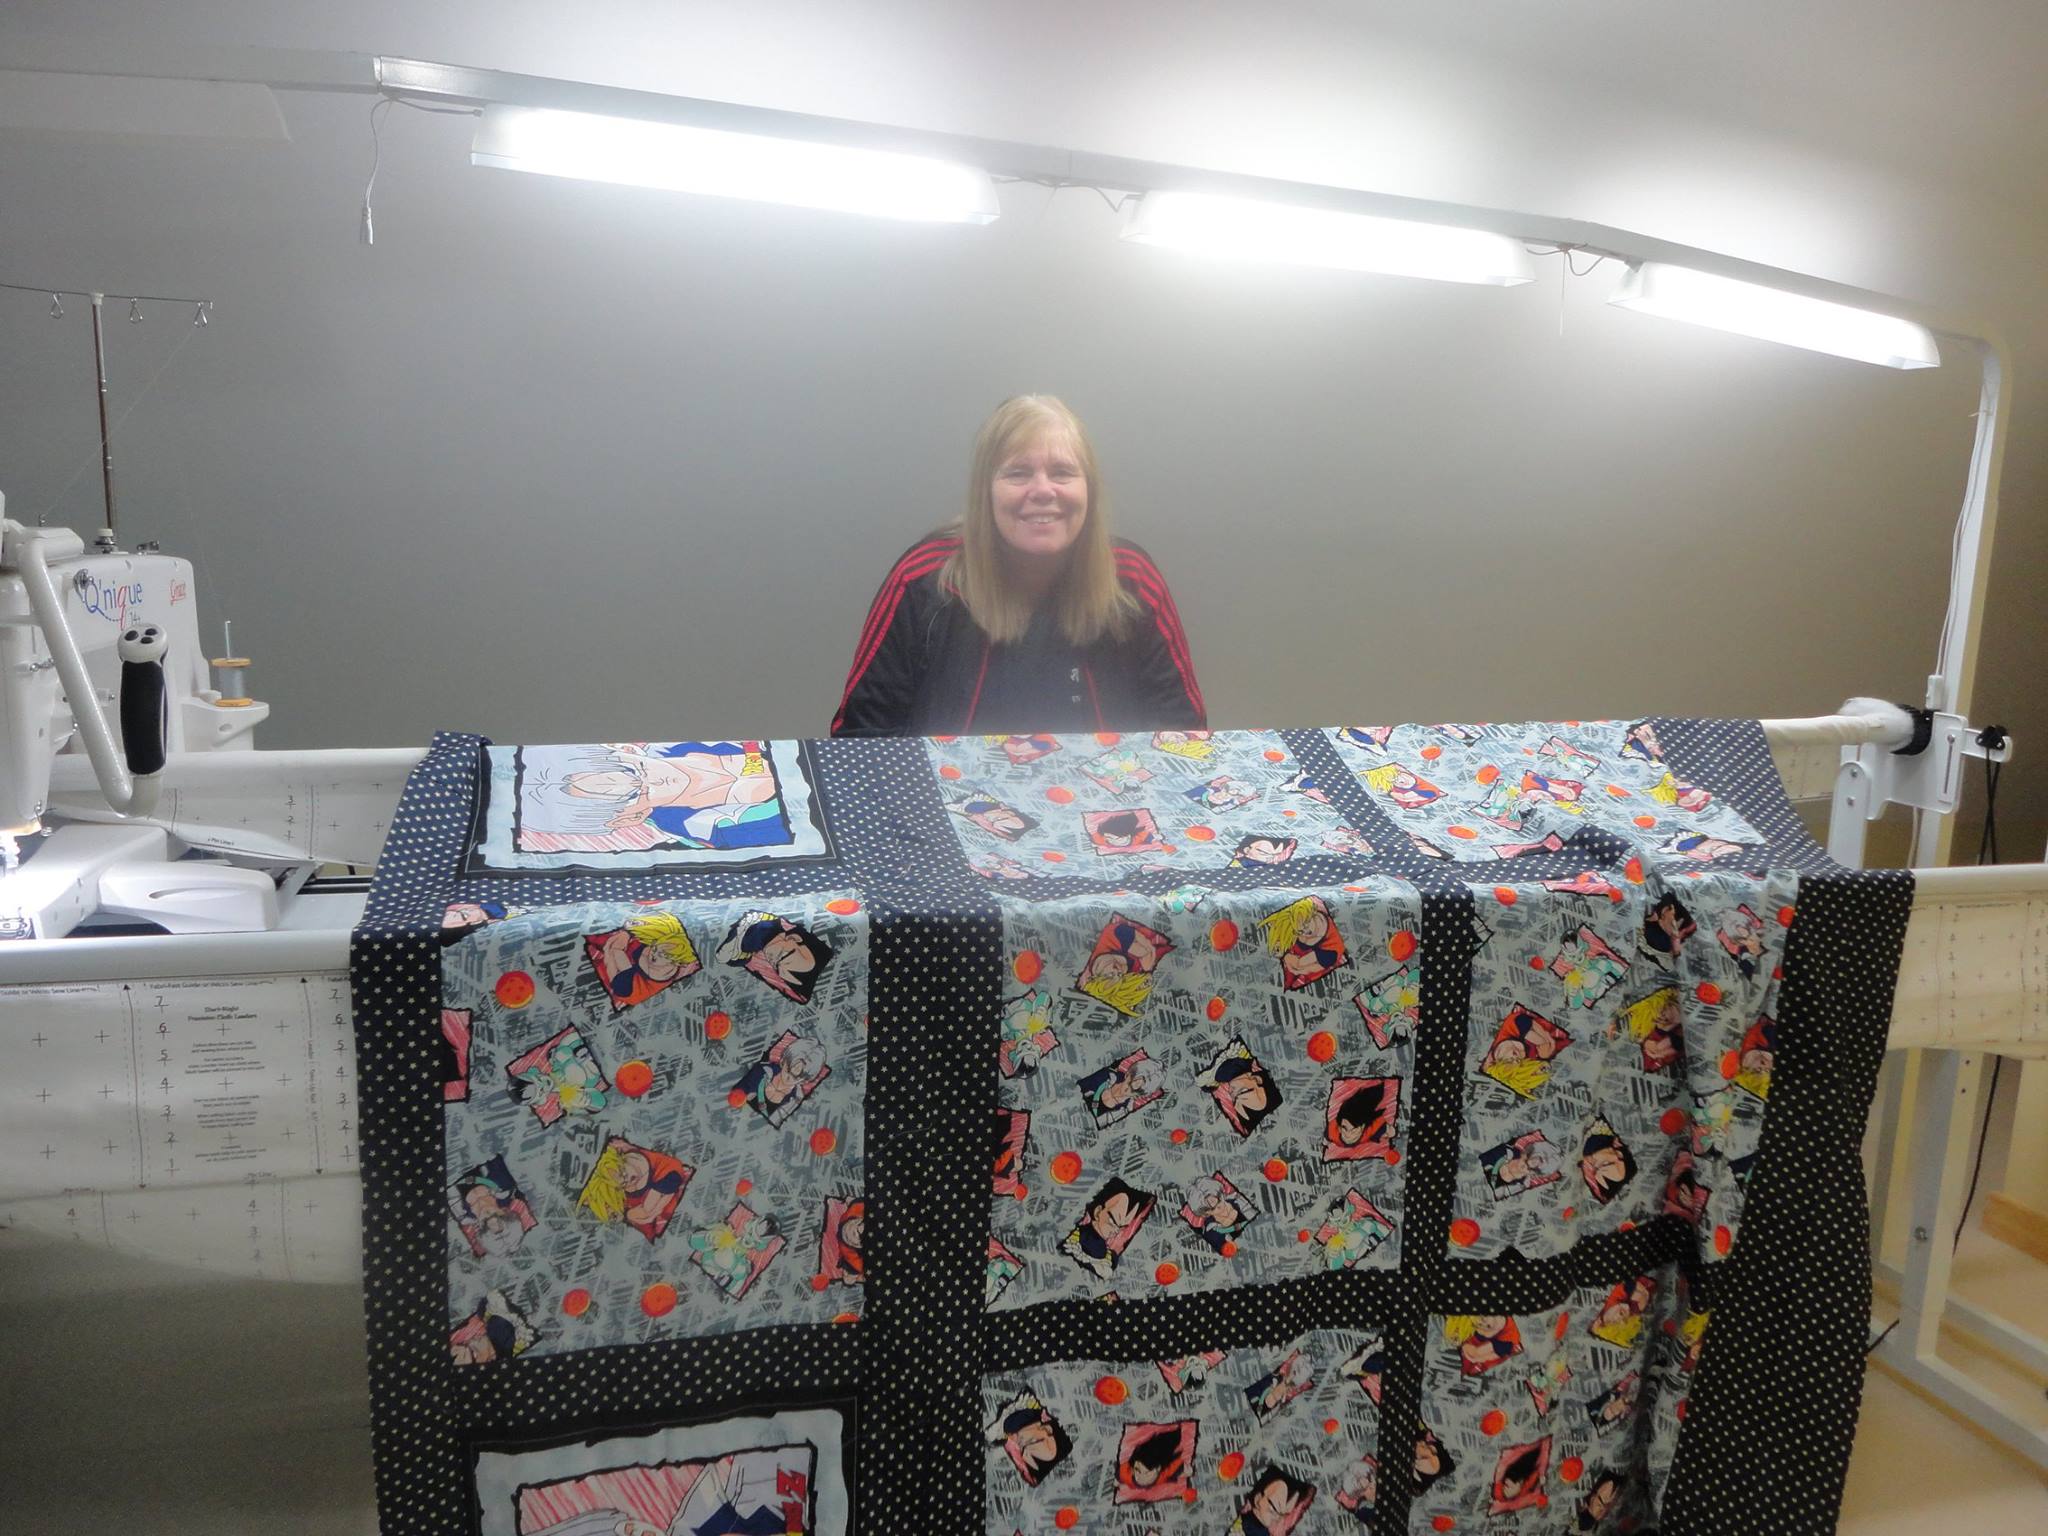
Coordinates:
2000 908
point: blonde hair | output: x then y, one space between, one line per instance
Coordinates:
664 931
604 1193
1283 926
1092 602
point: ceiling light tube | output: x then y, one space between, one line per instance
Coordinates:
1249 229
1772 314
644 153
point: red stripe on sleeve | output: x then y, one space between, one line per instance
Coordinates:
919 562
1144 575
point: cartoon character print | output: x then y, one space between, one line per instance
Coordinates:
494 1330
1108 1223
1287 1380
993 816
1666 927
996 866
1753 1061
1483 1343
1190 1371
646 956
1003 1267
1119 969
1242 1088
1518 1477
1302 783
1372 738
1274 1504
1568 757
1122 1088
1118 770
1515 1167
1194 746
1589 967
1616 1406
638 794
1358 1490
491 1210
1585 883
1700 847
454 1054
1155 1462
1620 1319
1550 843
462 918
785 956
1026 1037
783 1078
1360 1119
1685 797
1654 1023
1743 939
1522 1050
1406 788
1025 749
1605 1162
636 1185
558 1077
1116 834
1347 841
733 1252
1433 1461
1217 1212
1304 937
1641 743
1262 848
1352 1229
841 1259
1033 1440
1547 1384
1392 1005
1684 1194
1013 1130
1367 1365
1222 793
1186 898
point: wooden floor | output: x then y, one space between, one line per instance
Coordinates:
144 1400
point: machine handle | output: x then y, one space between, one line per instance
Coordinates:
145 718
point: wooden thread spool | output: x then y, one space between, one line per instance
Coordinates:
231 681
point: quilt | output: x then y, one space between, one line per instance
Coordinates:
1273 1133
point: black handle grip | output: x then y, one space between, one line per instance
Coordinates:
145 715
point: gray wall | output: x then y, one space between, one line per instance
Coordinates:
556 460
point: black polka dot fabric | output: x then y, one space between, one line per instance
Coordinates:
1734 1375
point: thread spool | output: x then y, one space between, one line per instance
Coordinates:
231 682
231 673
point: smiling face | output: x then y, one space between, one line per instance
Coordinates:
1039 497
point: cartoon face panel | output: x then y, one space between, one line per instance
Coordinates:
636 1185
1119 970
1242 1088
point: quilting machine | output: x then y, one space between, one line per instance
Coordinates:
234 1151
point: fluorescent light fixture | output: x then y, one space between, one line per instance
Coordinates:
1772 314
1249 229
717 163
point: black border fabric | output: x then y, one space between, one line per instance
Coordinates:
1772 1411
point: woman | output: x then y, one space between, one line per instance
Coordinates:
1025 615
